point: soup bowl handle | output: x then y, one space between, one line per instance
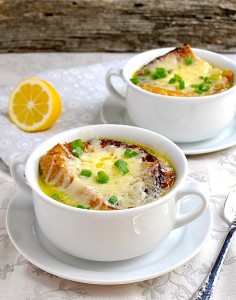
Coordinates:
111 88
17 174
191 188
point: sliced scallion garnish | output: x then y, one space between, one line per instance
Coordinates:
102 177
77 143
161 72
138 79
130 153
122 166
77 151
207 80
86 173
56 197
82 206
172 80
181 84
188 61
155 76
177 77
215 76
204 87
77 147
113 200
134 80
200 88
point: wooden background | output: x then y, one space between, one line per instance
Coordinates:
116 25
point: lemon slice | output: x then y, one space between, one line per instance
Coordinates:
34 105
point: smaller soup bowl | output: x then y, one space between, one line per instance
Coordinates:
181 119
111 235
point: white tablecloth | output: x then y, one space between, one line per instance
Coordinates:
83 92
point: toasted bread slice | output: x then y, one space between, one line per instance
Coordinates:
176 56
197 76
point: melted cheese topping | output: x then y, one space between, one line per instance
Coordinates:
125 187
130 189
181 73
191 74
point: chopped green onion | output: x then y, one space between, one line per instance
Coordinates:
77 147
102 177
215 76
181 84
82 206
134 80
207 80
169 71
77 143
130 153
188 61
155 76
113 200
161 72
86 172
199 91
122 166
177 77
172 80
56 197
147 72
77 151
204 87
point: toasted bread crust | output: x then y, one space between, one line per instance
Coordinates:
180 53
52 168
51 164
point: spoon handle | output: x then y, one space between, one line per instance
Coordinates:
205 292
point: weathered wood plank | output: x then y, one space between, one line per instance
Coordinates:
118 25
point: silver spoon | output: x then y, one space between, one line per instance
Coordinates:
206 291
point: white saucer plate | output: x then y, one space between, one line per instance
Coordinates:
112 112
180 246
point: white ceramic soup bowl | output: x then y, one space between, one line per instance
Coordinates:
181 119
111 235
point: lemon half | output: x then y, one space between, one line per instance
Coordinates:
34 105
